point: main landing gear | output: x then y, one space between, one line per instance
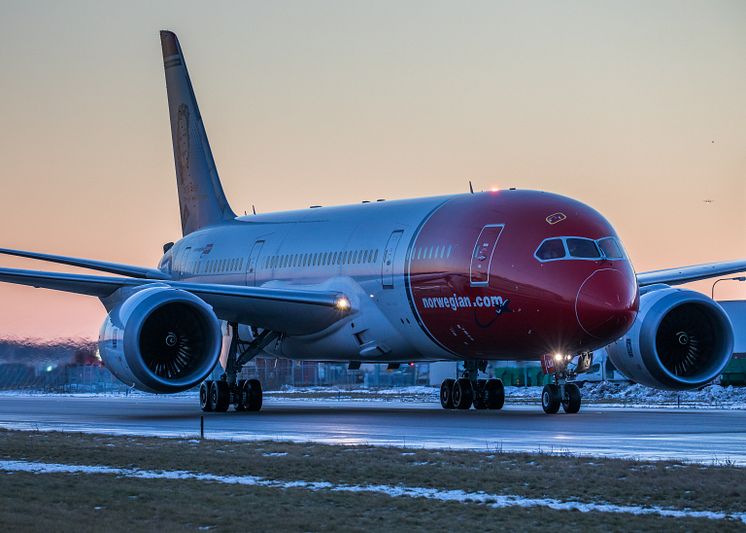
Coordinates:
468 391
559 393
218 395
245 395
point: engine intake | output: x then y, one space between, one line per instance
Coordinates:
680 340
161 340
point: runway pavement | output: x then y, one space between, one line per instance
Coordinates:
694 435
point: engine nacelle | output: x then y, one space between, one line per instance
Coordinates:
680 340
161 340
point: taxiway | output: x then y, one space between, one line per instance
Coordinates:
700 435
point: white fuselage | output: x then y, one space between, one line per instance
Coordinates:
359 249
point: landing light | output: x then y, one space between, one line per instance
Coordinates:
343 304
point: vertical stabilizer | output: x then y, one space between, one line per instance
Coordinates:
201 197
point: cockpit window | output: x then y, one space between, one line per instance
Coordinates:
583 248
610 248
569 248
551 249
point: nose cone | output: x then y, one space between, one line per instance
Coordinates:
607 302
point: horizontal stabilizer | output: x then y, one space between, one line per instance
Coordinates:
92 264
687 274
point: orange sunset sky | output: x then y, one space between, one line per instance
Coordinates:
635 107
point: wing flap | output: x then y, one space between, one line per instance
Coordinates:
687 274
91 264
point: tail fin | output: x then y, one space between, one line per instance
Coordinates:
201 197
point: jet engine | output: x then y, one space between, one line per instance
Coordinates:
161 340
680 340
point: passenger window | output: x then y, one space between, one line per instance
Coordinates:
551 249
610 248
583 248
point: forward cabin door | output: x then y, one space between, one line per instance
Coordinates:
481 258
253 264
387 269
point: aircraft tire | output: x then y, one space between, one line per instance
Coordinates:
463 394
446 393
219 396
551 399
572 399
480 395
494 394
204 396
253 394
240 395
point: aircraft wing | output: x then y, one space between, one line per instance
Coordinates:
286 310
92 264
678 276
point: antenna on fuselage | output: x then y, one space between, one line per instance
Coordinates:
471 187
253 209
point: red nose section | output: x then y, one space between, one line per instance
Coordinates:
607 303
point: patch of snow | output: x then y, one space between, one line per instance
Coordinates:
274 454
394 491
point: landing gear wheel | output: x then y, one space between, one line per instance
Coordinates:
551 399
480 395
252 395
463 394
494 394
219 396
240 396
571 399
446 393
204 396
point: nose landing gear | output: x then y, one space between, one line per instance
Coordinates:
559 393
468 391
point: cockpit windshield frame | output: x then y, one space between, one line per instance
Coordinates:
604 255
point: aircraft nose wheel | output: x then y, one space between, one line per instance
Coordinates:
571 398
551 399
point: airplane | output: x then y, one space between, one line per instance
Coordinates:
497 275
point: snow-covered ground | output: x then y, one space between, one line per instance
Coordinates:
614 394
496 501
